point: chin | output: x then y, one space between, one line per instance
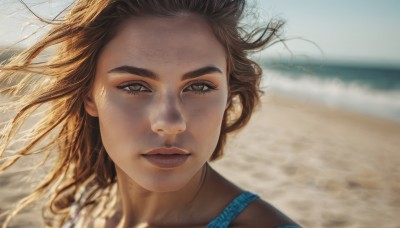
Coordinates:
164 184
158 182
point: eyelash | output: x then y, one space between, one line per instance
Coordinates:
211 87
125 86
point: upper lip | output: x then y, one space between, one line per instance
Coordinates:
166 151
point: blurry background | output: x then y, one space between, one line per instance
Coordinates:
343 53
324 147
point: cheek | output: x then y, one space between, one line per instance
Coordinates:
206 118
120 122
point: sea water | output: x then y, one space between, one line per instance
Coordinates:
364 88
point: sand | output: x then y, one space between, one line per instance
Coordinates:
321 166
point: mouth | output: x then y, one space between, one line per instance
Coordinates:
166 158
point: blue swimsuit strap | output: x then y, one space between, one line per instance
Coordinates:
233 210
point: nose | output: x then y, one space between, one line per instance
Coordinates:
167 117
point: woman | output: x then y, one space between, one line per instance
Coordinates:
142 95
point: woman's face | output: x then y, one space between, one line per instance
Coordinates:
160 83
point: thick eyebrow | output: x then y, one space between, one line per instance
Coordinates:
200 72
134 70
149 74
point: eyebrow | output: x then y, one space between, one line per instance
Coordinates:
149 74
134 70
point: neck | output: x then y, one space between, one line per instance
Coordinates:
141 207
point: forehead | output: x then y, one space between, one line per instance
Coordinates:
185 39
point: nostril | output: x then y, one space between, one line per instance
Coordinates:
168 125
169 128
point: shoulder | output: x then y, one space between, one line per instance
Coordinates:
262 214
258 213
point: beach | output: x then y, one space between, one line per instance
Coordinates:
324 167
321 166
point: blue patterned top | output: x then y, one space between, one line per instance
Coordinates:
235 207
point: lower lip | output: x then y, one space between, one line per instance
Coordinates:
166 161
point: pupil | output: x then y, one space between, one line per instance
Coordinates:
134 87
198 87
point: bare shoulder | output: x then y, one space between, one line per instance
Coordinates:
258 213
262 214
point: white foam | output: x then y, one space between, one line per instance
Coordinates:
334 92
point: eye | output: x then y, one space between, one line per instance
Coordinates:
201 87
133 87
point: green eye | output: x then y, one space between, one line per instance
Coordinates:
201 88
133 88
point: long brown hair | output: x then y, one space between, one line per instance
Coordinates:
61 83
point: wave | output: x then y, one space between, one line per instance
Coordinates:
334 92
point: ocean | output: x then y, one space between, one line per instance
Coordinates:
363 88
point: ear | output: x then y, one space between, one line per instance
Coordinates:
90 105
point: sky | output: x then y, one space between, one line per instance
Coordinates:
355 30
343 30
